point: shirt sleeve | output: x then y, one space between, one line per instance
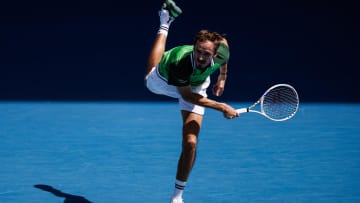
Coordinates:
223 54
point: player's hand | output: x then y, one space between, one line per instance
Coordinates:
219 86
230 112
218 89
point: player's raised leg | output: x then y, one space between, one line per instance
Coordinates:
168 13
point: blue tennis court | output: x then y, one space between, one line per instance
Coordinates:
128 151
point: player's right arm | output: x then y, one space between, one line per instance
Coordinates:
188 95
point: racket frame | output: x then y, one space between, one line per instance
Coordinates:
261 101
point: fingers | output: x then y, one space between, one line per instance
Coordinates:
229 112
231 115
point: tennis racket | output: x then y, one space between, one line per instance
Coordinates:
279 103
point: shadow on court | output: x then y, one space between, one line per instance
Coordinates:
69 198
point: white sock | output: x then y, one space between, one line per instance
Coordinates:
179 189
164 29
165 21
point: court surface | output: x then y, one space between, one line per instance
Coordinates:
127 152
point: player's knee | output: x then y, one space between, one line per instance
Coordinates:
189 145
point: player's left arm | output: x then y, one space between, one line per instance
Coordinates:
219 86
221 57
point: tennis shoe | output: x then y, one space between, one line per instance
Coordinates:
177 200
173 9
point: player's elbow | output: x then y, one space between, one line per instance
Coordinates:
192 98
188 98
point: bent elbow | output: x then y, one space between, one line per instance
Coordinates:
188 98
193 98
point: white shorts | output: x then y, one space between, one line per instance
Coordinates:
158 85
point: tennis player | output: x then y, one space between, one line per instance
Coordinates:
183 72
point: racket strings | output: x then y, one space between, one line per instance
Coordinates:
280 103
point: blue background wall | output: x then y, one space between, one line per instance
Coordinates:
97 50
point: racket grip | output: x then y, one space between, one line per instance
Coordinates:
242 110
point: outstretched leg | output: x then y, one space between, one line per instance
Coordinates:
191 128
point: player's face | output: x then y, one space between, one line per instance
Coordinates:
204 53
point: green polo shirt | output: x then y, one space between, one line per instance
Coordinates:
178 66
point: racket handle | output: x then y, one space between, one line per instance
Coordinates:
242 110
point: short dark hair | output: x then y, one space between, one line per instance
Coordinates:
204 35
